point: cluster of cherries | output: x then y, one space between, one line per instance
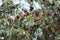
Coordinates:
37 15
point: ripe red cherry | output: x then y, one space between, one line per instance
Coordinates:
54 14
35 20
48 27
10 19
27 14
18 16
43 14
37 13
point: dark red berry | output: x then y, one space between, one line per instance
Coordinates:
27 14
48 27
10 19
43 14
35 20
31 8
17 16
37 13
54 14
